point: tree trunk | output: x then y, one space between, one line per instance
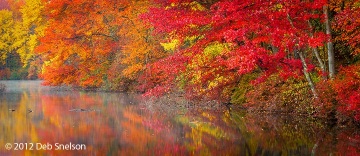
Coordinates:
317 55
330 47
305 67
307 75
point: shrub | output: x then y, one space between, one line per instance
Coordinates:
325 105
279 95
347 89
243 87
4 74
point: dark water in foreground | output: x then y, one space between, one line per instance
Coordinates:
38 120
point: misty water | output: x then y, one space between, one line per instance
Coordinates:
42 120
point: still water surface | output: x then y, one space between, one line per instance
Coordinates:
38 120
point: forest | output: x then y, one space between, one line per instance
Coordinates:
288 56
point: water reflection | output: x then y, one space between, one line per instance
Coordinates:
118 124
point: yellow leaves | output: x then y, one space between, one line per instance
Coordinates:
22 35
88 33
215 49
192 39
32 16
209 53
278 6
200 128
40 29
357 4
6 36
3 57
24 55
218 80
19 34
208 115
6 19
32 42
205 74
196 6
170 46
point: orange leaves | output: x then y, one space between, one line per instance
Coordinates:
347 23
102 40
79 36
91 81
138 46
58 75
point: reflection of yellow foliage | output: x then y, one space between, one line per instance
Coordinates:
16 124
273 133
209 129
204 127
200 130
208 115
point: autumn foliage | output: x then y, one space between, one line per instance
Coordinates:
263 54
347 87
95 43
222 42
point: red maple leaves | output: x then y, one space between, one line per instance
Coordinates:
260 36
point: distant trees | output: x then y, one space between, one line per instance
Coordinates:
26 24
6 34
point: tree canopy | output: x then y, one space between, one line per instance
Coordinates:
302 55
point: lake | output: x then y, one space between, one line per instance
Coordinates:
43 120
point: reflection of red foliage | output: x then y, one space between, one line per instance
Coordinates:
64 126
347 88
350 143
155 125
4 4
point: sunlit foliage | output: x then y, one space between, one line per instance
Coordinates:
6 34
222 50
